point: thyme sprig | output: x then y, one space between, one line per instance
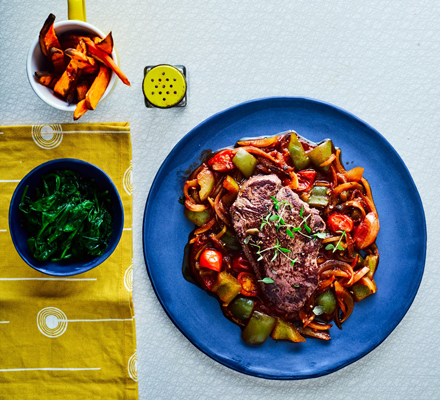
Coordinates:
338 246
278 249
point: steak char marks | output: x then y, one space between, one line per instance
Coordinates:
293 284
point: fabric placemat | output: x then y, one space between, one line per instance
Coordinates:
74 337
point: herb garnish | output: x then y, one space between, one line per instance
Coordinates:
277 248
70 219
266 280
338 246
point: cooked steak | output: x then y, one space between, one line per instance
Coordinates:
264 205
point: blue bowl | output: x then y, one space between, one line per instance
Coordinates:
20 236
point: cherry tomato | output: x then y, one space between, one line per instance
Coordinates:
240 263
249 284
211 259
305 180
366 232
340 222
222 161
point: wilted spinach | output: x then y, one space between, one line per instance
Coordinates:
70 218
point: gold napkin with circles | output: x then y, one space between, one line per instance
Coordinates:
74 337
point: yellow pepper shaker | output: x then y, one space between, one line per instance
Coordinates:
165 86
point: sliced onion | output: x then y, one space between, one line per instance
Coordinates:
319 327
205 227
354 175
219 210
334 175
358 275
355 204
345 301
195 207
257 151
328 161
188 185
369 283
339 167
259 142
346 186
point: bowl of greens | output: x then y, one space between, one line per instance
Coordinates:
65 217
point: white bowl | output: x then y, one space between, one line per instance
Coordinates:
37 61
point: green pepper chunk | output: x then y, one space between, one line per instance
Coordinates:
226 287
258 328
360 292
242 307
371 262
297 154
319 191
316 201
321 153
230 240
327 301
318 196
197 217
245 162
284 330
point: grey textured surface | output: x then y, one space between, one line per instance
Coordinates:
377 59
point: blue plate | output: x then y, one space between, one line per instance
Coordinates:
401 240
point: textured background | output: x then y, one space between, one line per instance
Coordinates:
377 59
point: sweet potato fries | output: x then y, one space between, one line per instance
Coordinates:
82 66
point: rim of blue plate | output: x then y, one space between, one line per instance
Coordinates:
62 268
415 283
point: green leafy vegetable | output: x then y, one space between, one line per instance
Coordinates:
70 219
266 280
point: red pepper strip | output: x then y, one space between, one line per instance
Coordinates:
345 301
319 327
249 284
305 180
266 142
211 259
222 161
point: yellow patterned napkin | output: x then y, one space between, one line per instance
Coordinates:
67 338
